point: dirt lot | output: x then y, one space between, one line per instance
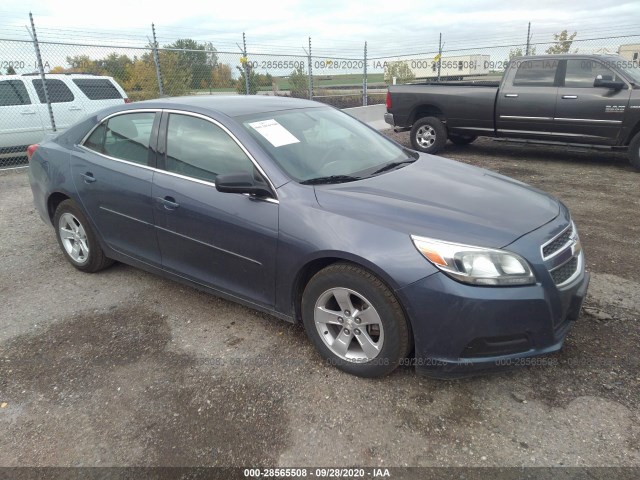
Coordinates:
125 368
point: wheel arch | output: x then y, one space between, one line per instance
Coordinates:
427 110
55 199
318 263
634 131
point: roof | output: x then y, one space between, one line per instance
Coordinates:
232 105
568 56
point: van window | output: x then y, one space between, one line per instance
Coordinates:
97 88
57 90
13 92
536 73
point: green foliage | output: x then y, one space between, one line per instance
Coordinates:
11 70
400 70
196 58
518 52
241 85
299 83
563 43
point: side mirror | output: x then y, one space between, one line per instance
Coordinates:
607 83
243 182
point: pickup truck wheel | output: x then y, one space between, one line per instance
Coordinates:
634 151
462 139
355 321
428 135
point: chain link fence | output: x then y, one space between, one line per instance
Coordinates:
46 86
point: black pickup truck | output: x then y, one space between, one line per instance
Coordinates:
586 100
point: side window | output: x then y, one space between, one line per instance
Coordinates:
57 90
126 137
536 73
13 92
582 73
199 149
97 88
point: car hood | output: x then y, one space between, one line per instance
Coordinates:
444 199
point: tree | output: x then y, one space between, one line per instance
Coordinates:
517 52
563 43
116 66
299 83
241 85
84 64
197 58
400 70
11 70
221 76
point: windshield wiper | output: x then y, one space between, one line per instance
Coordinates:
330 179
392 165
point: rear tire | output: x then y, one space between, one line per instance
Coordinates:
355 321
462 139
77 239
634 151
428 135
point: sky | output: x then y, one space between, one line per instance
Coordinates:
387 26
338 29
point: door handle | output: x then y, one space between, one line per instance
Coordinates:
88 177
74 109
569 97
28 112
511 95
168 202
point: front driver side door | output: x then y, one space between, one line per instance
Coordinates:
223 240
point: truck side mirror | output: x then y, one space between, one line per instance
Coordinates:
608 82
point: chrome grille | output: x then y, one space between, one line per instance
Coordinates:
555 245
564 272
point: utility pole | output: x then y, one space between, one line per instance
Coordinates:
45 90
528 39
156 60
246 63
310 73
364 80
439 56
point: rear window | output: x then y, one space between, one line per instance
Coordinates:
57 90
13 92
536 73
97 88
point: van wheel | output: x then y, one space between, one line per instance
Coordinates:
462 139
428 135
634 151
355 321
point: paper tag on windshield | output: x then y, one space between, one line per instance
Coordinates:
275 133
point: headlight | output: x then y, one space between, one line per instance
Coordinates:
476 265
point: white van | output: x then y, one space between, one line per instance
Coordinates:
24 116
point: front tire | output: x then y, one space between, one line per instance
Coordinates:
428 135
634 151
77 239
355 321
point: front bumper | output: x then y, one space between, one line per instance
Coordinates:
462 330
388 117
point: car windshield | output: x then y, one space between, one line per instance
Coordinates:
324 145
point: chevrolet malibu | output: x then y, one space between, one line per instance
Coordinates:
385 255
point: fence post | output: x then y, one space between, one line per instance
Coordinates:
246 64
45 90
528 38
310 73
364 80
156 60
439 56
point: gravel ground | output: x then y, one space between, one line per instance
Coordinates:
126 368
